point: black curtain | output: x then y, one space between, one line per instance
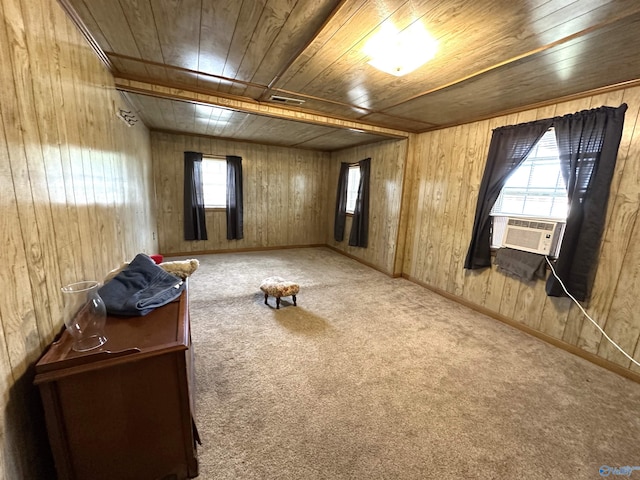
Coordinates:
195 227
360 223
341 203
234 198
508 148
588 144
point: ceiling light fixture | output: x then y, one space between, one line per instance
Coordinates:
400 52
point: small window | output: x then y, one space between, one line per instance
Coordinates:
352 188
535 189
214 182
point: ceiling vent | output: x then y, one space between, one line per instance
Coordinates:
287 100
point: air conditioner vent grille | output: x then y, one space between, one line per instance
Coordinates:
287 100
531 235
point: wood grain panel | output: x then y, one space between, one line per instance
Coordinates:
283 188
387 168
184 116
503 86
438 170
74 201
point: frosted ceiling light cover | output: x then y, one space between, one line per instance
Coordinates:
399 53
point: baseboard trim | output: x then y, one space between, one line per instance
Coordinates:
364 262
601 362
239 250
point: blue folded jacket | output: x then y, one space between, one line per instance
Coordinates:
140 288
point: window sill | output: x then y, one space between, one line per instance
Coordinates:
215 209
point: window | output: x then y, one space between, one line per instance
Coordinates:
214 182
535 189
353 183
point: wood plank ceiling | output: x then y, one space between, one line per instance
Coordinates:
211 66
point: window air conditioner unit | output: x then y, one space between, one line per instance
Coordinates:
532 235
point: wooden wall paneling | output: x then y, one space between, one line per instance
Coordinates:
57 153
622 324
434 206
52 126
495 281
622 211
426 166
439 201
473 282
410 189
522 302
406 190
17 314
324 196
100 168
93 243
268 212
391 222
68 128
476 282
385 191
29 180
417 163
39 48
285 160
278 210
295 191
262 185
73 98
452 211
274 206
160 187
6 379
616 274
466 151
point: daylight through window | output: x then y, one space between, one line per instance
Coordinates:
214 182
352 187
535 189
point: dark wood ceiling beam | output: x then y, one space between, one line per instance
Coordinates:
251 106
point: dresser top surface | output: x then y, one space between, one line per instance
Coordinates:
128 338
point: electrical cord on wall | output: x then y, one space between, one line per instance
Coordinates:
587 315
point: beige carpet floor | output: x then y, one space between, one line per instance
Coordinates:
371 377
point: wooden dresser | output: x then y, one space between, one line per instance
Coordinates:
126 410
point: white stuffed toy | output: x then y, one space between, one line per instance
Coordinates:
179 268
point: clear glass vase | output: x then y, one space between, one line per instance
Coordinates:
84 315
